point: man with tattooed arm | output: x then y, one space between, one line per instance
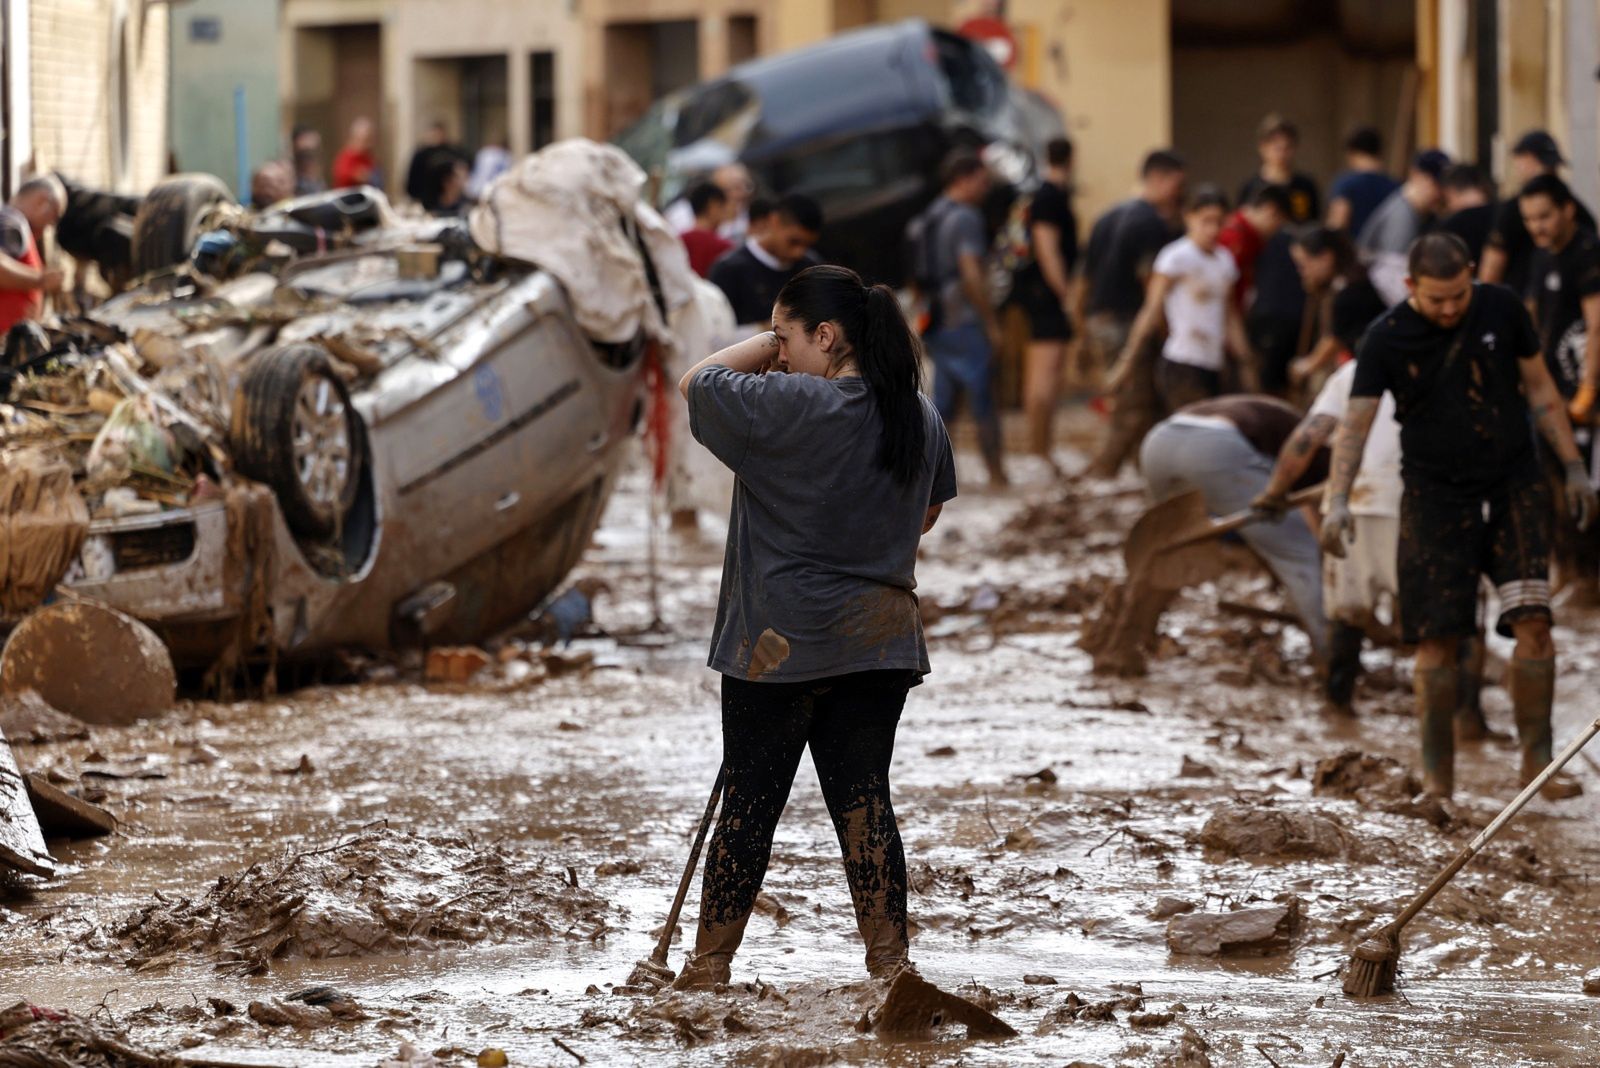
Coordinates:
1462 362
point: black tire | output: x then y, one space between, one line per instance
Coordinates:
168 221
274 436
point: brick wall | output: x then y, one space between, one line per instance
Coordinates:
76 107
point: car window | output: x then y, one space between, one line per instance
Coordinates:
709 108
822 173
976 84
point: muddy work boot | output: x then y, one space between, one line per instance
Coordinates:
1436 709
712 963
1344 667
1471 726
1532 685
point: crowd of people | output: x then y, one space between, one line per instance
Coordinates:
1438 341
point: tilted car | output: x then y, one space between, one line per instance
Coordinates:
860 123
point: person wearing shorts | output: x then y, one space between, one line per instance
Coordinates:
1191 286
1462 362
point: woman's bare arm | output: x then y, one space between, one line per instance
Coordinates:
750 355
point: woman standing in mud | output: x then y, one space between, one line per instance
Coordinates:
841 466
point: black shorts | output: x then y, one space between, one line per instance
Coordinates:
1179 384
1449 541
1047 320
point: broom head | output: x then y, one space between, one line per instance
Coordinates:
1372 966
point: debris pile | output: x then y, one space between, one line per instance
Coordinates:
380 892
35 1037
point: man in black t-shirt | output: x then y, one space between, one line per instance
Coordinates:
1509 254
1462 361
1564 296
1116 266
1044 291
1469 207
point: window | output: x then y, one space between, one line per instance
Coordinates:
542 88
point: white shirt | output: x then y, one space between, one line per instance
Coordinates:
1196 305
1377 488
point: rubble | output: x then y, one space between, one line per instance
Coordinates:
379 892
1261 831
1243 931
28 719
36 1037
1364 777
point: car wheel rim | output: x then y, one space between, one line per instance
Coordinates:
321 442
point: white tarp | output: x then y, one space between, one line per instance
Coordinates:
562 209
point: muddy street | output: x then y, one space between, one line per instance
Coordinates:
1167 870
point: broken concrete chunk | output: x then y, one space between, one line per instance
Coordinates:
1168 906
1245 931
1247 830
61 815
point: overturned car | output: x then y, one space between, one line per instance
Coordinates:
408 440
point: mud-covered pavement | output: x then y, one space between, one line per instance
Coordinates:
476 866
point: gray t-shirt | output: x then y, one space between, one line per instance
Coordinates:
1392 227
818 575
960 230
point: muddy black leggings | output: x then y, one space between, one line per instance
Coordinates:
849 722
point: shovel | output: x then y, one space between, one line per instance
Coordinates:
653 972
915 1006
1152 551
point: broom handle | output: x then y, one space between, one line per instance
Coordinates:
1230 523
1483 837
664 943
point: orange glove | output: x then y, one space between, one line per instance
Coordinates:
1582 405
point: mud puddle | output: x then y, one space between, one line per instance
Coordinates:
1058 826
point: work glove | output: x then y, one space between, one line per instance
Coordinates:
1269 507
1582 404
1339 526
1581 502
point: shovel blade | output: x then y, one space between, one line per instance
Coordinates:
1159 526
914 1007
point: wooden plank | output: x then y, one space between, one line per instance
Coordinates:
21 841
63 816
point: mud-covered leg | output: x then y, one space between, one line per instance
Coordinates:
763 735
852 744
1435 684
1531 681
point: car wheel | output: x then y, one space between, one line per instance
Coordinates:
170 217
295 429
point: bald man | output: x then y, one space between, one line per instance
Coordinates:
24 279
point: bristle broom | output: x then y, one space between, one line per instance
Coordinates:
1372 966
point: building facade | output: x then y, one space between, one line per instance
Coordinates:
85 91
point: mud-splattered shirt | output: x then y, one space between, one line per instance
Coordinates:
1559 282
820 567
1464 424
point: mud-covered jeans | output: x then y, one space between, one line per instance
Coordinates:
849 722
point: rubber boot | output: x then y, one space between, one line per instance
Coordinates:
1471 726
711 965
1344 666
1532 684
1436 709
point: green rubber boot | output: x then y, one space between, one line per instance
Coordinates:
1532 685
1436 713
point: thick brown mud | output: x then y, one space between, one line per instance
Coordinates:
478 865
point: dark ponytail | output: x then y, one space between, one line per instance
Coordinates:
886 352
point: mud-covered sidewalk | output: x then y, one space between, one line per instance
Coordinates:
1158 871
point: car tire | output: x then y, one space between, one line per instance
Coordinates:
169 219
294 429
